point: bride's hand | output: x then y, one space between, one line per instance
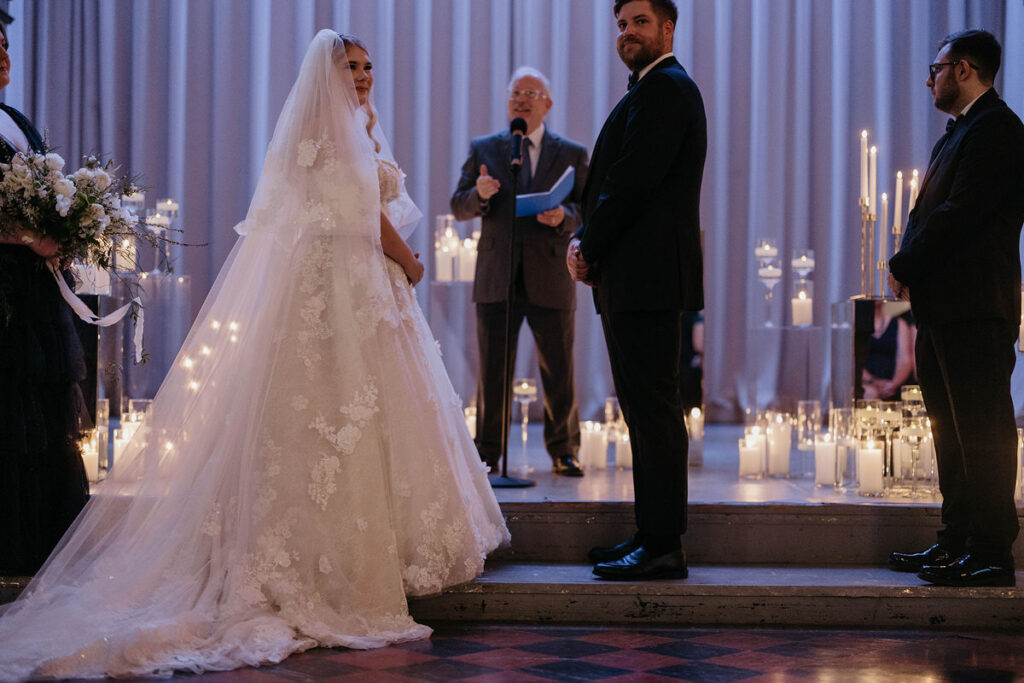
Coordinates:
414 270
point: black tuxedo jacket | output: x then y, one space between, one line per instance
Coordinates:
960 255
545 277
641 202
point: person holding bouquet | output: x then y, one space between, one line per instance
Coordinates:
43 484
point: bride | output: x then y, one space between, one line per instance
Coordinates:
305 465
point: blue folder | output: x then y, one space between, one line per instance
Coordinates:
538 202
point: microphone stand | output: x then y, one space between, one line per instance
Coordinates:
503 481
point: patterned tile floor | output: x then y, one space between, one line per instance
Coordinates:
543 653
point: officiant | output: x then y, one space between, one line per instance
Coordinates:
544 295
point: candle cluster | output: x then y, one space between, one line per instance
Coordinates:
769 272
160 221
873 212
875 448
454 257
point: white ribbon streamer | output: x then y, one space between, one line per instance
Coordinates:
86 314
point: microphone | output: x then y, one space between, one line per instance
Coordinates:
518 130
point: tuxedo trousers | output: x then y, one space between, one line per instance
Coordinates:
553 333
964 370
644 347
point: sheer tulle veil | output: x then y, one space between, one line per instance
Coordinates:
197 551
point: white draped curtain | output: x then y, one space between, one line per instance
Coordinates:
186 93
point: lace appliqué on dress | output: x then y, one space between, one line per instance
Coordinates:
390 178
314 280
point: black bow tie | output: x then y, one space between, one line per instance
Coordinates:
951 123
633 78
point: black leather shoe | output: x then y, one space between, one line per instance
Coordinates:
936 556
641 565
615 552
567 466
970 571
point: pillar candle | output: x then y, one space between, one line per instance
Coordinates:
695 430
126 255
467 260
445 264
752 456
593 445
779 439
824 460
803 309
869 469
883 229
873 181
913 191
623 452
897 214
91 460
863 166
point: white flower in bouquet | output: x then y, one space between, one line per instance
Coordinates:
54 162
80 211
101 180
63 204
64 187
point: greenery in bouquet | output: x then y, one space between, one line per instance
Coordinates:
80 211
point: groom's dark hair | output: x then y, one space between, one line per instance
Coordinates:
664 9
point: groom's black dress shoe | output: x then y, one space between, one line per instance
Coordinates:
567 466
935 556
970 571
615 552
641 565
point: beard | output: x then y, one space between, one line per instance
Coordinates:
646 52
946 97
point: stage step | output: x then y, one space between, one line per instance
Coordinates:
731 533
724 595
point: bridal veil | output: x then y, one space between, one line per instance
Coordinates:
304 465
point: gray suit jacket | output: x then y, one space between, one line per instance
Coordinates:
546 279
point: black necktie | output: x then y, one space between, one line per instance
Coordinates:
951 124
633 78
527 172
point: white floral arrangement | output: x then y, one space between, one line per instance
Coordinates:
81 211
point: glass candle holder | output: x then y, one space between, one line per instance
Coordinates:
802 263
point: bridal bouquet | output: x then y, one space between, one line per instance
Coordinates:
80 211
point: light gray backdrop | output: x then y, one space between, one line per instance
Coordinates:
186 93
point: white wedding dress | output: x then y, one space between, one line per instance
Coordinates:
304 467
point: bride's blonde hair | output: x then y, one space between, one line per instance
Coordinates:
347 41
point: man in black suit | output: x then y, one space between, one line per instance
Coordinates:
639 248
544 294
959 266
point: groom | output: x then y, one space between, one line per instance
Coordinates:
639 248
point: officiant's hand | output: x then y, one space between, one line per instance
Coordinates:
552 217
486 186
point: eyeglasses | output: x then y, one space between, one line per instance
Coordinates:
937 67
526 94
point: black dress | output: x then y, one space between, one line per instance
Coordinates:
43 485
